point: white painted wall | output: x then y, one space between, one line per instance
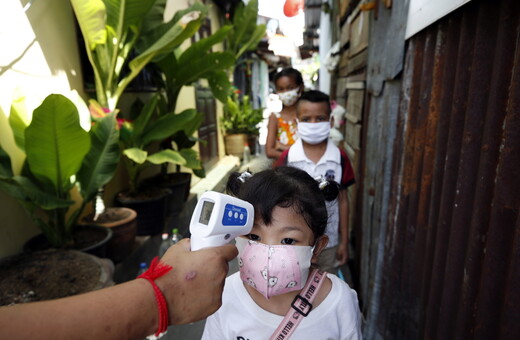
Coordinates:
423 13
39 57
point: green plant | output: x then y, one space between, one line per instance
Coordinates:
113 28
245 33
239 116
184 67
60 155
152 126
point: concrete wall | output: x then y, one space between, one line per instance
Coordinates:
39 57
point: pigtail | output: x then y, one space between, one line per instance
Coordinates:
235 181
329 188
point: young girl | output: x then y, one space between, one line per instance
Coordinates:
275 266
281 129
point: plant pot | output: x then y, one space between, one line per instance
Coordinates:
150 208
123 223
51 274
234 144
90 239
179 183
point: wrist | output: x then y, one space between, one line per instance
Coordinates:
156 270
148 304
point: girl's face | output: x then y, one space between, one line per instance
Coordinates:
287 227
285 83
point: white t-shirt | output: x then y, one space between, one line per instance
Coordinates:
329 166
240 318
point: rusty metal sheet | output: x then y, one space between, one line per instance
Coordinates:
441 258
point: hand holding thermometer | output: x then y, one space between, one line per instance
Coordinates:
219 218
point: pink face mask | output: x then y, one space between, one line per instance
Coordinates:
273 270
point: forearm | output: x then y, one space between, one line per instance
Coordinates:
272 152
270 144
125 311
192 290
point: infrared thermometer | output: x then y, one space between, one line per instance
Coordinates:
219 218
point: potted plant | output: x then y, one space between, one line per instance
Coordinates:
137 140
129 34
183 67
113 29
239 123
240 119
245 33
60 156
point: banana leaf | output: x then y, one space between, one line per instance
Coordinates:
18 121
100 163
167 156
168 125
55 143
112 28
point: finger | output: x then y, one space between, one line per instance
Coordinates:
228 252
185 243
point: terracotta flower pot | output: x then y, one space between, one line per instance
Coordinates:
123 223
235 144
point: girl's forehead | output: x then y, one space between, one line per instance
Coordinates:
284 217
285 80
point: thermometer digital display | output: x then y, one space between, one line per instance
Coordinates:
218 218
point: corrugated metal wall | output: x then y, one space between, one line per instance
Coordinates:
446 230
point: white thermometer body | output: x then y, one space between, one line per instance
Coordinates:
219 218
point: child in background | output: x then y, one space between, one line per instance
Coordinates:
281 129
316 154
275 261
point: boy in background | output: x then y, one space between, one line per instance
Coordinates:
316 154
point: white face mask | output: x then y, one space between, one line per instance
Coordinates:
313 133
273 269
290 97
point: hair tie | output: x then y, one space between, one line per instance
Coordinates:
322 182
244 175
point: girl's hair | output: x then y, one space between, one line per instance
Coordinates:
291 73
285 187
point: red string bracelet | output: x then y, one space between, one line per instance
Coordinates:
156 270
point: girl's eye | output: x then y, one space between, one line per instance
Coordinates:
288 241
322 119
253 237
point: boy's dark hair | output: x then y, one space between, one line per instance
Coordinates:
315 96
291 73
283 187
